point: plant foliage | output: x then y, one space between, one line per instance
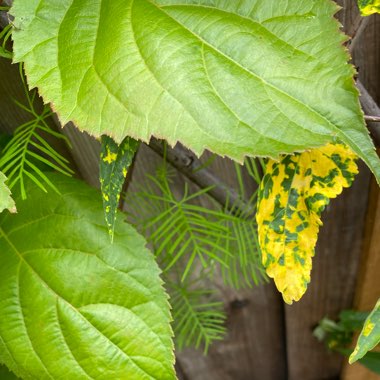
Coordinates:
293 194
115 161
338 336
71 303
28 149
237 77
197 318
370 335
193 242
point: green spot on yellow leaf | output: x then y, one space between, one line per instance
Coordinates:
293 193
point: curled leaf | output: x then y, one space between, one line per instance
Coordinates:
115 161
293 194
369 7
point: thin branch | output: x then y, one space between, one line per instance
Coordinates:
371 109
188 164
374 119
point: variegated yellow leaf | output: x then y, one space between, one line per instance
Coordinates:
369 7
293 194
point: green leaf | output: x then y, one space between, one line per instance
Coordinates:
293 194
6 201
369 7
371 361
239 78
370 335
72 305
115 161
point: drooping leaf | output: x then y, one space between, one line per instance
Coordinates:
240 78
115 161
293 194
72 305
369 7
6 201
370 335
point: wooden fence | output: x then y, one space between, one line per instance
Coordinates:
266 339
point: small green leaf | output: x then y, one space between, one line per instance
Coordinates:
6 201
293 194
72 305
239 78
369 7
370 335
115 161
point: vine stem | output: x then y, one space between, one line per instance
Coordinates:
372 111
373 119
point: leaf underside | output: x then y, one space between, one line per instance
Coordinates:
250 77
6 201
73 306
293 194
370 335
115 161
369 7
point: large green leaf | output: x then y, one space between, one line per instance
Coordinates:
6 201
247 77
370 335
72 305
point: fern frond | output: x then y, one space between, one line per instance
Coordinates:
28 150
244 268
199 320
178 229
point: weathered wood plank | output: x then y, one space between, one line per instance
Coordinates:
332 283
368 287
254 348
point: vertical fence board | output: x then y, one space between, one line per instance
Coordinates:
332 283
368 287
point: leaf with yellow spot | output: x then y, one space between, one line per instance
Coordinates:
293 194
115 161
370 335
369 7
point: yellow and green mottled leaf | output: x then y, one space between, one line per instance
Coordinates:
115 161
293 194
369 7
370 335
